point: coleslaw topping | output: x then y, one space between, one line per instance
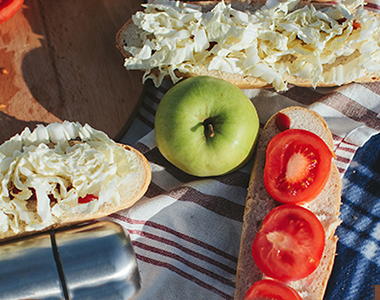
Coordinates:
43 174
275 40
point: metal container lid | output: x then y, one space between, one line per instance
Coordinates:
98 262
92 261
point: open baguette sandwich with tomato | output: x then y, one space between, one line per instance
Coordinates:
288 241
65 173
254 44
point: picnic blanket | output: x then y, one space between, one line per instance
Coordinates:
186 230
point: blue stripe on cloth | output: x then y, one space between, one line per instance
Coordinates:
357 264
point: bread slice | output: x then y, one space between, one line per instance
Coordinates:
65 162
129 35
259 203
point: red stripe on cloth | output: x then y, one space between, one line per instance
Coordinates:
345 152
341 144
216 204
176 233
341 103
352 109
185 262
346 149
341 170
372 86
185 275
343 160
183 249
337 138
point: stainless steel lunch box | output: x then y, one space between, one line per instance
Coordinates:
92 261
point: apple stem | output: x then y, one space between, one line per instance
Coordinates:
211 131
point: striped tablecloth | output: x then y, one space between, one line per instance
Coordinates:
186 230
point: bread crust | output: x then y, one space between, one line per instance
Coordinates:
259 203
128 34
130 192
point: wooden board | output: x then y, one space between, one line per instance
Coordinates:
59 61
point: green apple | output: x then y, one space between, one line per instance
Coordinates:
206 126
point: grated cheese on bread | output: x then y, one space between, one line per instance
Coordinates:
45 174
343 66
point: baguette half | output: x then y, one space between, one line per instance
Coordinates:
46 174
259 203
143 51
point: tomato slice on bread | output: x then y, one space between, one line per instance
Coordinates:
8 8
289 244
297 166
267 289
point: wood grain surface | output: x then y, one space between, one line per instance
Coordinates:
59 61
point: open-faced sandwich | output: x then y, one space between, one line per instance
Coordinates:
66 173
254 44
288 242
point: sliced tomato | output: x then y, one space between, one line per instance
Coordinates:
267 289
282 121
87 199
8 9
297 166
290 243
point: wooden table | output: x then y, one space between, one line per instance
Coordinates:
59 61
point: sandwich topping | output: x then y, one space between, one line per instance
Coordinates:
334 44
49 171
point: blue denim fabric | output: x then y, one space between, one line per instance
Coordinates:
357 264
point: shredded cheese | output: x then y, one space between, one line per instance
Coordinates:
268 43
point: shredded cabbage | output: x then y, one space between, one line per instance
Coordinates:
268 43
43 174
